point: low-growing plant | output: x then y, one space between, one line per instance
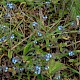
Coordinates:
40 40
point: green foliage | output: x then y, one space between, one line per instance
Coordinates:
27 48
54 66
10 54
30 50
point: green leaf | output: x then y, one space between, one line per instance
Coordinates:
71 60
27 48
19 34
25 58
10 54
73 70
73 12
54 66
60 13
55 1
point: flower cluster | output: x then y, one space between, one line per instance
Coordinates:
10 6
48 56
37 70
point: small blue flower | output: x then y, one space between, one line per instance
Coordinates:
58 77
7 15
10 5
47 3
44 17
78 17
35 42
71 53
48 56
50 45
47 67
5 68
3 27
37 70
21 69
3 39
12 36
73 23
34 24
15 60
14 68
39 34
60 27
